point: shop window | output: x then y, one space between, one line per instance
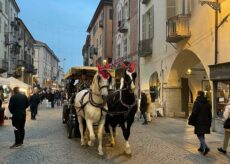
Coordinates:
223 97
154 87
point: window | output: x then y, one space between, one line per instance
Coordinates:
125 54
171 8
118 51
100 39
0 25
1 8
97 44
223 96
95 29
148 24
110 14
7 7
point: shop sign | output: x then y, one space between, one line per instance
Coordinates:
220 72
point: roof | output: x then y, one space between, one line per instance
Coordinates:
97 12
23 24
39 43
16 5
76 72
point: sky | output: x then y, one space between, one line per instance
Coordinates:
61 24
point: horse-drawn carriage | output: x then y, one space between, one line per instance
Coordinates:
76 79
101 106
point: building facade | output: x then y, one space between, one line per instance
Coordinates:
22 63
46 63
100 32
8 34
178 46
125 31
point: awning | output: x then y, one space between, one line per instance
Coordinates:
76 72
220 72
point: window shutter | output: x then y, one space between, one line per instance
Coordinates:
1 9
0 25
143 27
152 22
171 8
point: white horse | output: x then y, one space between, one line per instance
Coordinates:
91 105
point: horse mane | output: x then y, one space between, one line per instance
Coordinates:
94 81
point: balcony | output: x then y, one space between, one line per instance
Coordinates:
145 47
101 23
145 2
21 63
29 68
178 28
93 51
122 26
3 65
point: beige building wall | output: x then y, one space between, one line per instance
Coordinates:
171 61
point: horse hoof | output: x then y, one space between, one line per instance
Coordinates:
112 144
101 154
90 143
128 154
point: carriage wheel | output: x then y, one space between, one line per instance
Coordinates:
64 113
69 129
76 130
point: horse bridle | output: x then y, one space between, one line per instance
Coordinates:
101 87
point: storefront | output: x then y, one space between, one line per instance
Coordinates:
220 75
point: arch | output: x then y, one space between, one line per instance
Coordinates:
182 85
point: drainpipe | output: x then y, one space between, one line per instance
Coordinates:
215 62
138 57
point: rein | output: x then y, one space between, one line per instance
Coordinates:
124 104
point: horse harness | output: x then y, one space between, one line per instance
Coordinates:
124 104
92 102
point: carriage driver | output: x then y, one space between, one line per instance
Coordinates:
83 83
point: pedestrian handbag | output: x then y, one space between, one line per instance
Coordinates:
227 124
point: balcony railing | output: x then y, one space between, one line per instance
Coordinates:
178 28
145 47
29 68
21 63
145 1
3 65
122 26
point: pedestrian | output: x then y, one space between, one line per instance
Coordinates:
50 96
201 118
143 107
226 116
17 106
34 101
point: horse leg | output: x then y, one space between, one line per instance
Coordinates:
111 130
91 132
126 134
81 128
100 134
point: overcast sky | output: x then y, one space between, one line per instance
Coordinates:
62 24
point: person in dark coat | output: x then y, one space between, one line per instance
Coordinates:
201 119
34 101
143 107
17 106
50 97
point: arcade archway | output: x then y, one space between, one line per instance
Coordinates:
186 77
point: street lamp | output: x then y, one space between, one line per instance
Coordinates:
104 62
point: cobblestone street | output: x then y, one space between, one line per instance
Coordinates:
165 140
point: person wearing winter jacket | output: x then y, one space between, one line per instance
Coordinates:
201 119
226 116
